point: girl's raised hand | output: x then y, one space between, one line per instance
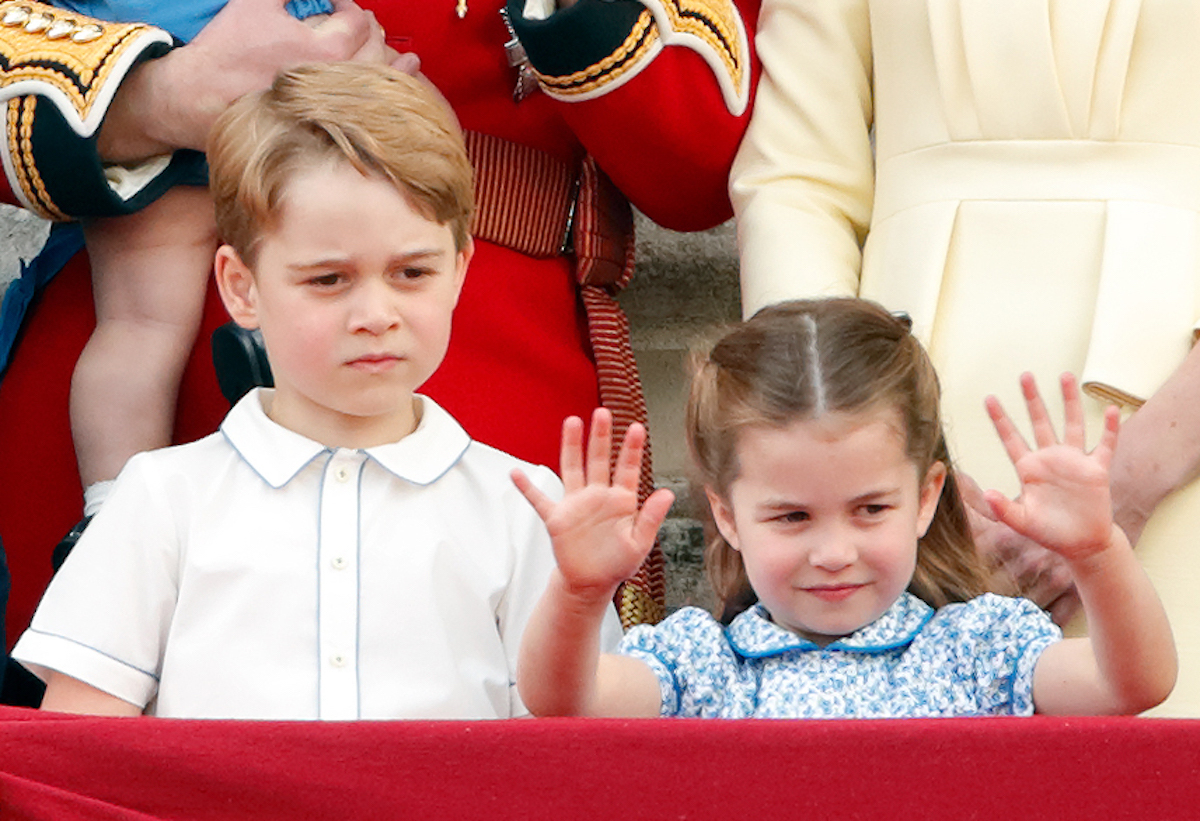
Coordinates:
1064 503
600 537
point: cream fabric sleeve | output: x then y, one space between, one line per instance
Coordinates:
803 180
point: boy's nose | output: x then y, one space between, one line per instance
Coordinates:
374 310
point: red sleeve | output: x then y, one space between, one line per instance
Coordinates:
657 94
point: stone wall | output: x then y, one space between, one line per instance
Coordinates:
685 287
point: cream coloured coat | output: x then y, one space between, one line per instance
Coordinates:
1023 178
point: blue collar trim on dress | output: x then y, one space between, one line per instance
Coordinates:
754 635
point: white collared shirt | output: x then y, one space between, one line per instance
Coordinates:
258 574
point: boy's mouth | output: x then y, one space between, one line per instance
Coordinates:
375 362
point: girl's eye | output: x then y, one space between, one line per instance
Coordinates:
794 517
874 509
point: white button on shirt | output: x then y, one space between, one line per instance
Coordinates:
259 574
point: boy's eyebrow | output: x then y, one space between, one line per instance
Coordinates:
410 256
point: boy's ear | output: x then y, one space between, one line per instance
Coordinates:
931 493
462 261
722 517
235 282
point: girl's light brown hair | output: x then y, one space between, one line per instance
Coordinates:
379 120
797 361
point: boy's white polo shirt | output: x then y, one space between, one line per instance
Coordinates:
258 574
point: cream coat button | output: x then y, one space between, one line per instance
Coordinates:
337 660
341 474
339 563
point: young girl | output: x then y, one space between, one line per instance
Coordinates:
843 559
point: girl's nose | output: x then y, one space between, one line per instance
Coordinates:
834 551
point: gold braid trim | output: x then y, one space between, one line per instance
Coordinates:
49 56
712 28
641 44
21 112
73 55
715 23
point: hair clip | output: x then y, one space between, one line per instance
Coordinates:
903 318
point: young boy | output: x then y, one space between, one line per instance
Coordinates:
340 549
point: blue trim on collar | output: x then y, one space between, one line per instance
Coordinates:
278 454
429 452
272 451
752 635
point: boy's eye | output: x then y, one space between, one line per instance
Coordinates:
325 280
415 272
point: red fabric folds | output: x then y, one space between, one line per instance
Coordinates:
55 767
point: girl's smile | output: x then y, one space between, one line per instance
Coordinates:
826 514
834 592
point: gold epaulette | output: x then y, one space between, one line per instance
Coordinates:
712 28
74 64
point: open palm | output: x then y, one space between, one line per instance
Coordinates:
1064 503
600 536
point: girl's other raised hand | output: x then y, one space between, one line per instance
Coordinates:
1064 503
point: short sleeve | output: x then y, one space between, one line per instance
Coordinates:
1005 637
693 661
105 616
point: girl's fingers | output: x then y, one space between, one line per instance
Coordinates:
1043 428
1108 438
599 447
540 501
1074 429
651 517
1010 437
570 457
1006 510
629 461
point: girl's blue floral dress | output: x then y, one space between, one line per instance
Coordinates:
974 658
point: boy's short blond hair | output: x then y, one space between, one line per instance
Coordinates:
380 120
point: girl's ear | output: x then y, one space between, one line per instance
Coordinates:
235 282
723 517
931 492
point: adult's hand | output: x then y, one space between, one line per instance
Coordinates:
171 102
1019 566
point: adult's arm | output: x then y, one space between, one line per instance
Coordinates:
803 182
659 99
1159 449
83 96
